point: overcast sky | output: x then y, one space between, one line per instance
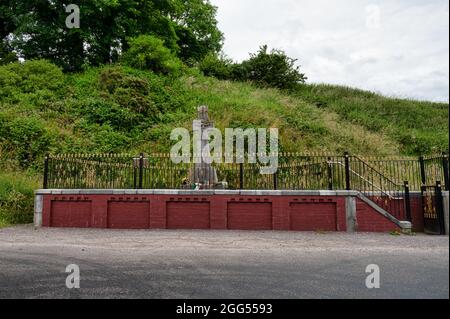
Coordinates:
396 47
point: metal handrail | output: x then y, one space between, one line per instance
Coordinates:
366 180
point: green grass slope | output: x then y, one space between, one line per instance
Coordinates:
419 127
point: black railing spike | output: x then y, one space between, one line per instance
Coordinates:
347 170
46 170
141 170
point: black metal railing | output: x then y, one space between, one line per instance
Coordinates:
90 171
295 172
387 181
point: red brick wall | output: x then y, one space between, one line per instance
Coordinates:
128 215
249 216
188 215
70 214
371 221
313 216
297 213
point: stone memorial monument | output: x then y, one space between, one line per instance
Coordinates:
203 175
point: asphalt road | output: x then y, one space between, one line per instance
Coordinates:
210 264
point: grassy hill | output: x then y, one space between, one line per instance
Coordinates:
120 109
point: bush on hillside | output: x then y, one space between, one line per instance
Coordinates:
99 111
24 139
106 140
147 52
218 67
128 91
29 77
270 69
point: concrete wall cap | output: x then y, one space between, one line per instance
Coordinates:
194 192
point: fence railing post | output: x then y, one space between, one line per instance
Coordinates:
275 181
241 176
46 160
446 173
141 170
330 174
407 202
135 178
347 171
422 170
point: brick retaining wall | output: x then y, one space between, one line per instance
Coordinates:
240 210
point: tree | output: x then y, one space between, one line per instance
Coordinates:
274 69
7 21
36 29
7 25
196 29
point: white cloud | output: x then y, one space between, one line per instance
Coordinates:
399 48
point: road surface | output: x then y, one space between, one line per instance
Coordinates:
219 264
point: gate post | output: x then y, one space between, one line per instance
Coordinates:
407 202
347 171
440 207
445 201
446 173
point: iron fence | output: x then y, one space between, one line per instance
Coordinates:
295 172
387 181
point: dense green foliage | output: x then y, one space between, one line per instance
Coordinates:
36 29
118 108
16 198
265 69
149 53
270 69
217 66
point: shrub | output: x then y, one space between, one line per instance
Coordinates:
219 67
25 139
106 140
112 78
128 91
29 77
147 52
274 69
99 111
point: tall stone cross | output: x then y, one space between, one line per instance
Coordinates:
204 173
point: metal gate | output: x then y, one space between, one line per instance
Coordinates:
433 209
